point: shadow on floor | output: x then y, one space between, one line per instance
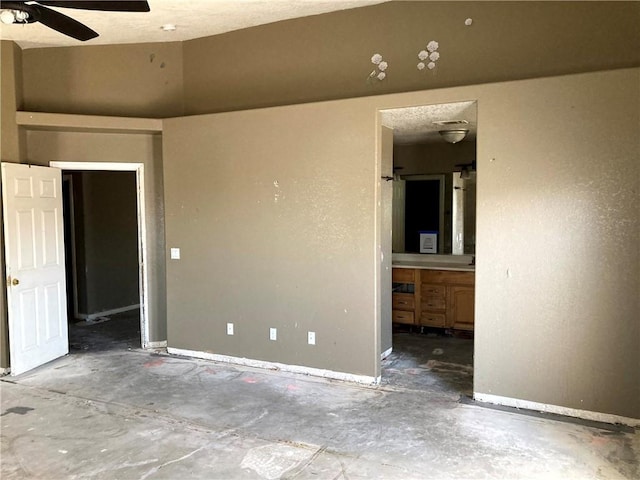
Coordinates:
115 332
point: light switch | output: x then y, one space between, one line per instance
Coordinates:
175 254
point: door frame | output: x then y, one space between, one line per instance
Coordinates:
72 240
383 289
143 271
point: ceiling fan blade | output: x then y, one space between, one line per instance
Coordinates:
104 5
64 24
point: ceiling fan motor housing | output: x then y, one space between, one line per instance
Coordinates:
20 12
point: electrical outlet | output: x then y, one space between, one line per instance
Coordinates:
273 334
311 338
229 328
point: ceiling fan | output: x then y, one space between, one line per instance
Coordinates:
26 11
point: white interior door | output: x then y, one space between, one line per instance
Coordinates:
35 267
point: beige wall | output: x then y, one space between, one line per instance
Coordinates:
557 260
274 213
329 56
11 82
143 80
46 146
558 276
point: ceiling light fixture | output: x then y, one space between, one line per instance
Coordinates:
453 136
449 123
168 27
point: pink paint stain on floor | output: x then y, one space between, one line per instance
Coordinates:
210 370
249 380
599 441
292 388
154 363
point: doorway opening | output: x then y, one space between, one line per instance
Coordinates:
105 255
428 321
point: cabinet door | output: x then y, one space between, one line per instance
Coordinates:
462 307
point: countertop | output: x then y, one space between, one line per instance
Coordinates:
426 265
457 263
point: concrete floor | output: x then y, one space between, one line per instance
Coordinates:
110 410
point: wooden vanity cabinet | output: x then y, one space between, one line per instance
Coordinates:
441 298
404 299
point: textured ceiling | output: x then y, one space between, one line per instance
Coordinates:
416 124
193 19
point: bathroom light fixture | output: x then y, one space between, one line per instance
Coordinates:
168 27
453 136
450 123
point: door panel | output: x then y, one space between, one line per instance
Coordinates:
52 296
27 320
26 247
50 239
35 268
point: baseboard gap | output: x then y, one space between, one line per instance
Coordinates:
610 427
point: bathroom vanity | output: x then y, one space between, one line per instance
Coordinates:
433 293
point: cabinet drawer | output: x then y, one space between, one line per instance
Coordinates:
403 301
406 275
433 319
399 316
433 302
428 289
448 277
